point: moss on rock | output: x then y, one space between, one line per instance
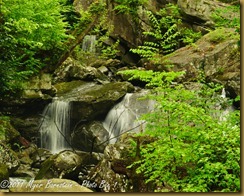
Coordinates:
4 175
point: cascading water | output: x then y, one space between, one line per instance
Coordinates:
89 43
55 126
124 115
225 112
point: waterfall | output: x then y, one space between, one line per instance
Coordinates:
223 93
89 43
55 125
125 115
225 111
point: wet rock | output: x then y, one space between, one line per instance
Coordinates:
91 137
51 185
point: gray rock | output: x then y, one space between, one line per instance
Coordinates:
91 137
73 70
201 10
216 55
38 87
66 164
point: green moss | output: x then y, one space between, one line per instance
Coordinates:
7 131
4 175
221 34
65 87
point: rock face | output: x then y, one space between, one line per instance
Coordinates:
200 10
216 55
51 185
27 126
91 137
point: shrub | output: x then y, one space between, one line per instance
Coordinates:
194 150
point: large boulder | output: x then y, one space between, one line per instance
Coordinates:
50 185
91 137
39 87
216 55
66 164
72 70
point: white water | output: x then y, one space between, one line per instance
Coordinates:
225 112
55 126
89 43
124 115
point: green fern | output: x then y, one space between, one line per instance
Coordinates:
166 34
153 79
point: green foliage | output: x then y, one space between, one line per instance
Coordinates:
167 33
129 6
229 1
110 51
3 122
31 33
153 79
219 35
228 17
194 151
103 31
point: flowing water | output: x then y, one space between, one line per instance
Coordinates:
226 111
89 43
125 115
55 126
